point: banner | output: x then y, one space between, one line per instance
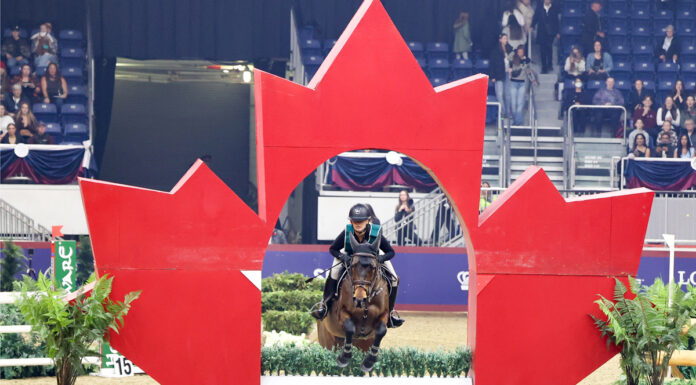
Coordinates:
360 174
665 175
66 254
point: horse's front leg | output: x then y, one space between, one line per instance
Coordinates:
371 355
347 351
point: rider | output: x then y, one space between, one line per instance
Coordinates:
364 232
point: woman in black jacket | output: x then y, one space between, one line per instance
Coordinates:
403 209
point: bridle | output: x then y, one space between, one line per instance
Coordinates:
368 286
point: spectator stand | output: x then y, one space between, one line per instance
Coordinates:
45 164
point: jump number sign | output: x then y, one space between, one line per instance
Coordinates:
120 365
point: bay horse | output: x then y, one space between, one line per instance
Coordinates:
360 313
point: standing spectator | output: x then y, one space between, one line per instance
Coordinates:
689 130
664 147
608 96
638 124
684 150
4 84
462 36
41 137
667 129
669 113
527 11
54 87
546 21
689 109
11 136
45 46
31 88
403 209
577 96
678 94
513 24
5 119
599 63
16 49
499 72
592 27
26 121
574 64
640 149
668 48
519 64
646 114
635 98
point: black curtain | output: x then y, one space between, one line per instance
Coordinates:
104 71
29 14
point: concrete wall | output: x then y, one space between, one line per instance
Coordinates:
49 205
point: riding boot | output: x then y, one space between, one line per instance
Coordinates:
321 308
394 320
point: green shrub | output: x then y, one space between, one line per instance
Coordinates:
15 345
304 360
299 300
11 263
291 321
288 282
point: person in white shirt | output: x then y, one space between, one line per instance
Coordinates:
669 47
4 119
513 25
669 113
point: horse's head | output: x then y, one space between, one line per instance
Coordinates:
363 269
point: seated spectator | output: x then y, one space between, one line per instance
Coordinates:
679 94
689 127
635 98
668 129
44 46
599 63
41 137
4 84
640 148
575 64
26 121
11 136
608 96
668 48
15 49
684 150
5 119
669 113
31 88
577 96
638 124
646 114
689 110
664 147
54 87
13 102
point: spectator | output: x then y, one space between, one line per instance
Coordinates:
403 209
679 95
462 36
574 64
608 96
546 21
41 137
689 126
599 63
486 197
14 101
592 27
45 46
513 24
684 150
640 149
4 84
669 113
527 11
668 48
31 88
577 96
54 87
519 65
499 71
635 98
16 49
373 217
26 121
638 124
11 136
646 114
667 129
689 110
664 148
4 119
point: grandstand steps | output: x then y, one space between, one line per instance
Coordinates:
547 106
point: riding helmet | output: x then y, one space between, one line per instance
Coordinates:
359 213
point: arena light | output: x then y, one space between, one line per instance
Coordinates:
246 76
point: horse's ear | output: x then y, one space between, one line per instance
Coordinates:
378 239
353 242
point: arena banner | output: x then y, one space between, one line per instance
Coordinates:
66 255
438 278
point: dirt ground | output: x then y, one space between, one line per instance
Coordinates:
428 331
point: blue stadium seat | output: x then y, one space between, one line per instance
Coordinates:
621 66
690 84
648 83
311 47
40 71
76 95
328 44
73 57
70 34
643 66
686 31
688 52
416 48
76 132
422 62
621 77
311 64
641 29
663 15
642 49
687 40
618 11
71 73
73 113
14 71
619 40
481 65
437 81
437 50
623 85
688 67
55 131
570 30
667 68
570 11
685 14
461 68
640 13
618 29
620 49
22 33
659 27
306 32
439 68
595 84
45 112
665 85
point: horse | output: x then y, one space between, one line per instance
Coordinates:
360 313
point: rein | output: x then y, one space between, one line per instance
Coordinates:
366 285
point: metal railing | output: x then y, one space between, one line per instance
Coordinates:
296 65
17 226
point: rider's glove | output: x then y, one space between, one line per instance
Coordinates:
345 258
380 258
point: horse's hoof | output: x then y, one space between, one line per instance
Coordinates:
368 363
343 360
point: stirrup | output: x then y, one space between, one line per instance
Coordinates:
395 320
319 310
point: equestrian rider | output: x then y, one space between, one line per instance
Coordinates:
365 232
